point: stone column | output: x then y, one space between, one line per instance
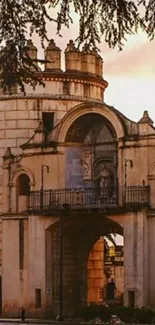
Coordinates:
48 269
135 255
8 160
151 260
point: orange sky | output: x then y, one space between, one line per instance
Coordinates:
130 73
131 77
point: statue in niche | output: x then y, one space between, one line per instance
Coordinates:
87 165
104 181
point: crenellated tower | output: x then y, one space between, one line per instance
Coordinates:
52 56
73 60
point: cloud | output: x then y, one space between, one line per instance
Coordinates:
136 61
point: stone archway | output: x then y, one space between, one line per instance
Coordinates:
111 114
106 263
80 233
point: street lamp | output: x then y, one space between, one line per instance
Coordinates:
60 209
126 163
61 221
42 183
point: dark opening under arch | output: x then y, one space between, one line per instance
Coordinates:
86 124
23 184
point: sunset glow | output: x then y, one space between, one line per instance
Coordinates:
130 73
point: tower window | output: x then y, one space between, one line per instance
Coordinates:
66 86
86 90
48 120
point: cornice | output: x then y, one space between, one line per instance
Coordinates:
49 96
74 76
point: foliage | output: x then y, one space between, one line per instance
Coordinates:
20 19
126 314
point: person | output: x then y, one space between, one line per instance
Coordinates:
111 290
23 314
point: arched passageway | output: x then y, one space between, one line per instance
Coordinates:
105 271
90 163
80 234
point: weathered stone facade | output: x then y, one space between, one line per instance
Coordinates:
63 145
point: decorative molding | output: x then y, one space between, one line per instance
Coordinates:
18 172
49 96
77 76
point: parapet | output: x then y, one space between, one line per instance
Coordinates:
83 62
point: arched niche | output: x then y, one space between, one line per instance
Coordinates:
22 192
18 172
21 182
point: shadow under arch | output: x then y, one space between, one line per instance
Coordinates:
98 227
104 110
80 232
84 124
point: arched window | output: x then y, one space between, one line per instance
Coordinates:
23 185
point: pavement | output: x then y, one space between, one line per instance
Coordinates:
40 321
17 321
32 321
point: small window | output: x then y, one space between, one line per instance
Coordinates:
23 184
48 120
66 87
38 298
86 90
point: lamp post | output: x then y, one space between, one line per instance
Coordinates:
60 209
42 183
61 220
126 163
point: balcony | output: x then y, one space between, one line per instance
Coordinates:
88 199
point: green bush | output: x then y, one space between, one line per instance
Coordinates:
126 314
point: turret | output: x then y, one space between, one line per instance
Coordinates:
72 57
99 65
31 50
145 124
89 61
52 56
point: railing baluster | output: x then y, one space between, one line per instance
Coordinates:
90 198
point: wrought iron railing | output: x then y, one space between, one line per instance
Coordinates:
89 198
